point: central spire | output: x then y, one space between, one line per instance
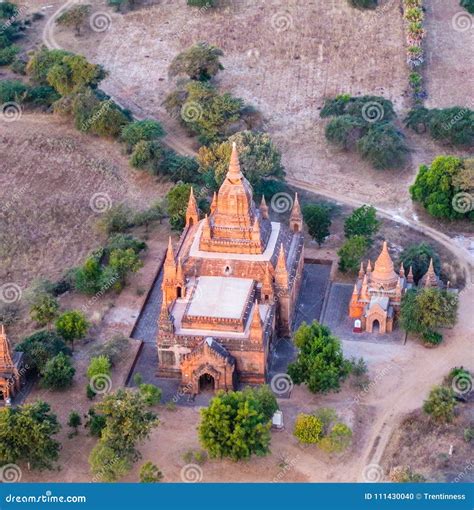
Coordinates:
234 173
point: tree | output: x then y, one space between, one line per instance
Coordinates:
318 219
72 326
147 155
106 465
26 435
73 73
364 4
437 187
58 372
40 347
41 61
88 278
440 404
128 421
74 17
74 421
44 309
204 111
338 439
362 222
117 219
199 62
418 256
202 3
149 473
177 201
351 253
468 5
384 146
145 130
235 426
12 91
99 365
258 156
122 262
320 363
344 131
423 311
308 429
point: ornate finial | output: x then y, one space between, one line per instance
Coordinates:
234 174
214 202
402 270
361 271
410 278
264 208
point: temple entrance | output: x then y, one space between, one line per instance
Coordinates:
206 383
376 326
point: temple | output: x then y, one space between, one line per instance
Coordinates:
9 369
376 299
229 290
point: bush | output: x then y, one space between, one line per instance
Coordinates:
364 4
338 439
384 146
151 394
202 3
468 5
74 420
74 17
177 202
72 326
40 347
179 168
308 429
106 465
116 219
58 372
88 278
440 404
199 62
418 256
99 365
95 422
8 54
146 155
344 131
351 253
42 95
141 131
12 91
149 473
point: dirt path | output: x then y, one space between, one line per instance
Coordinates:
427 367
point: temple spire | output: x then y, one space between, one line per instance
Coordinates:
296 218
169 253
361 271
192 211
264 208
402 270
214 202
234 174
281 273
430 279
256 325
410 278
6 361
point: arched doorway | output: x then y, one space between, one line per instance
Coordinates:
376 326
206 382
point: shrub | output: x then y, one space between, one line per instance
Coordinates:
468 5
351 253
44 309
149 473
58 372
179 168
150 393
74 420
440 404
308 429
141 131
363 221
177 202
418 256
72 326
12 91
8 54
99 365
146 155
202 3
338 439
344 131
106 465
88 278
116 219
74 17
95 422
364 4
41 95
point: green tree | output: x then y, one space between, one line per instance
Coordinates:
320 363
73 73
74 17
117 219
364 4
122 262
468 5
199 62
106 465
308 429
202 3
147 155
418 256
150 393
58 372
40 347
149 473
41 61
440 404
258 156
318 219
235 426
344 131
141 131
74 421
436 188
72 326
362 222
12 91
338 439
351 253
176 204
26 435
44 309
88 278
